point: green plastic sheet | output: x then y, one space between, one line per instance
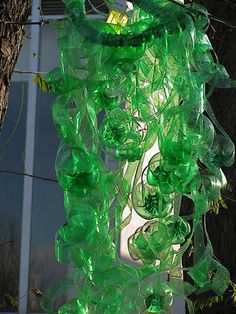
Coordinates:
121 91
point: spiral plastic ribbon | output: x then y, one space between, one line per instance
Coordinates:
147 81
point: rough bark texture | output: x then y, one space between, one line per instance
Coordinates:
222 227
12 14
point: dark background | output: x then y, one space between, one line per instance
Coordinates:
222 227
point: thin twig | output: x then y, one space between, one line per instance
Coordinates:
28 23
27 72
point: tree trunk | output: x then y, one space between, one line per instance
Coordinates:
222 227
12 14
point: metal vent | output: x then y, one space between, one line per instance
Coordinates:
52 7
57 7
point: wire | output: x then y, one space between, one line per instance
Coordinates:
28 175
19 114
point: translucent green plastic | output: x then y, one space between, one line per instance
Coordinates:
121 91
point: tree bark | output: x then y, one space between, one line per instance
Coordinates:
13 13
222 227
